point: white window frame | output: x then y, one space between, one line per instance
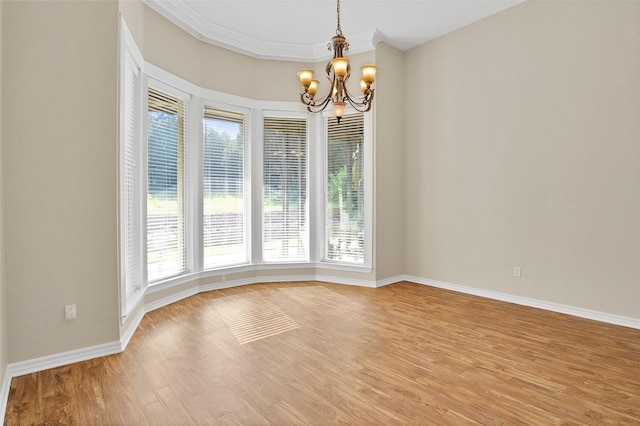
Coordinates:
280 113
212 99
130 56
178 88
194 99
322 135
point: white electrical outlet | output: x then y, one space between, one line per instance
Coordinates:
517 271
70 312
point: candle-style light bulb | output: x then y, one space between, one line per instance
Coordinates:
313 87
340 66
305 77
369 73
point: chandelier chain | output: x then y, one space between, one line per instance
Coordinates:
339 29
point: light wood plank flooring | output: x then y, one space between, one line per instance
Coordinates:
322 354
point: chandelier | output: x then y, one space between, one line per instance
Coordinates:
338 71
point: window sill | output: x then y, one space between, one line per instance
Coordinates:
260 273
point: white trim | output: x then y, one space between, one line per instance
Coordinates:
258 278
346 281
388 281
170 83
193 171
129 56
178 12
4 392
534 303
63 358
255 203
56 360
261 279
125 337
151 306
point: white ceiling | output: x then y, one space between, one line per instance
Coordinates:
300 29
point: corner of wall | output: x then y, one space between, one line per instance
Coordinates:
5 380
389 162
133 13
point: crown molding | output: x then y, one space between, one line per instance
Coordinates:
184 17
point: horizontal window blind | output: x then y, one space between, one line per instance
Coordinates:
344 225
131 179
285 230
166 254
223 187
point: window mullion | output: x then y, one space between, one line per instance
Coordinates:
257 183
316 188
193 180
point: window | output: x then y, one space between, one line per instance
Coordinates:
132 282
130 178
223 189
306 177
284 199
166 254
345 207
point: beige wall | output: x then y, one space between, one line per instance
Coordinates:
522 148
60 174
208 66
4 337
388 162
133 12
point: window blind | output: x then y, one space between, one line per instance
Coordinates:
223 188
285 230
131 198
344 224
166 254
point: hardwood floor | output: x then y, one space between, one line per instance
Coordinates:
320 354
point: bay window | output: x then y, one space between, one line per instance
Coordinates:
231 183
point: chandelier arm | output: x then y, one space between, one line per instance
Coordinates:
320 105
363 105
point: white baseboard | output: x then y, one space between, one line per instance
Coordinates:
4 392
534 303
388 281
151 306
51 361
56 360
148 307
128 334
